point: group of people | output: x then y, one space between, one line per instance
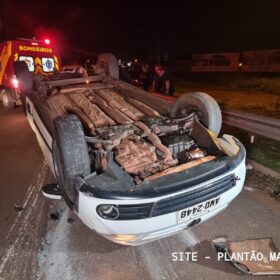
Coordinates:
161 81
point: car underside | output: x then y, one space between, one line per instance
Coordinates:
122 154
143 142
123 132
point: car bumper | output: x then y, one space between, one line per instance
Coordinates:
136 232
139 239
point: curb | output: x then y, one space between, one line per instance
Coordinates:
263 169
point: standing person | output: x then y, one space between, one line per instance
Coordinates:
146 77
163 81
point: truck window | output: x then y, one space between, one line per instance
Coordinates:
48 64
29 61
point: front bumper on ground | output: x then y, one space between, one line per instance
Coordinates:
139 239
139 231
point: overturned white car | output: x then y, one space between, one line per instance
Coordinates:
133 166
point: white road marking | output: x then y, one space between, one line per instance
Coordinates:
27 196
21 226
56 255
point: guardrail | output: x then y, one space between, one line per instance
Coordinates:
259 125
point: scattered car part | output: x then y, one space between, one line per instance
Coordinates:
52 191
253 256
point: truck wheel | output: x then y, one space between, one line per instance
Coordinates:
7 100
70 155
205 106
109 63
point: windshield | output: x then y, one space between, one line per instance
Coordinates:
29 61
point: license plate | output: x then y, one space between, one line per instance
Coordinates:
197 210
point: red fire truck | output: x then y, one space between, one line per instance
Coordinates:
40 56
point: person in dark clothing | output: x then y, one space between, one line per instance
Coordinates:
146 77
124 76
163 81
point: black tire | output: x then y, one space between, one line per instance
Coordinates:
207 108
7 101
109 63
70 154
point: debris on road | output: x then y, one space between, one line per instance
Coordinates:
55 216
249 166
269 183
265 169
255 256
70 220
18 208
250 189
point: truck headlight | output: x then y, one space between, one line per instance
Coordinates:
109 212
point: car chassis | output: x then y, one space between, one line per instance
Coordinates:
133 166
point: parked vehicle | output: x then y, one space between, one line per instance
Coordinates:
40 57
134 167
79 70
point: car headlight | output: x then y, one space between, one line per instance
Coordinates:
109 212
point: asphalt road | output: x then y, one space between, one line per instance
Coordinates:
42 239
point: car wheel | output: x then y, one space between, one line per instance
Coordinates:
109 63
7 100
204 105
70 155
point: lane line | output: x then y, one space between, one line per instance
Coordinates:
23 223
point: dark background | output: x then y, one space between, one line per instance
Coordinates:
133 28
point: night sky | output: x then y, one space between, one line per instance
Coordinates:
131 27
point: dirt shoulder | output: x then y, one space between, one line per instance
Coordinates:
269 184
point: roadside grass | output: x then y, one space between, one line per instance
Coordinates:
267 85
251 82
254 95
263 150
